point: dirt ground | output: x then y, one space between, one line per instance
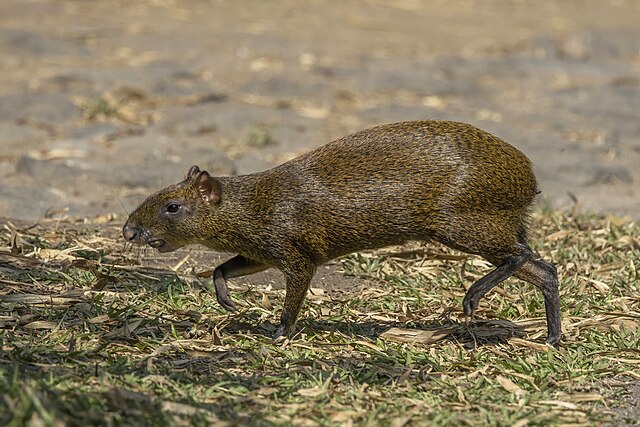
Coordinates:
103 102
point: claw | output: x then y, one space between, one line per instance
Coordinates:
227 303
553 340
469 307
280 332
468 319
222 292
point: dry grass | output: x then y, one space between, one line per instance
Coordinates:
90 336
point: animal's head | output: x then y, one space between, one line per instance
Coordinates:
175 216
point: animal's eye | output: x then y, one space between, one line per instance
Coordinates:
173 208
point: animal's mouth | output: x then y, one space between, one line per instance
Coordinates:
160 244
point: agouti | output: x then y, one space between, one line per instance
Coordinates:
421 180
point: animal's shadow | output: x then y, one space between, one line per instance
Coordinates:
470 335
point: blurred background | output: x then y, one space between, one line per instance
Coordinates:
103 102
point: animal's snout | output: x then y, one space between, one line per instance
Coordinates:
132 234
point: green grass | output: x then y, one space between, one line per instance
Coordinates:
116 343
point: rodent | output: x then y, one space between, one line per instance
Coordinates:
419 180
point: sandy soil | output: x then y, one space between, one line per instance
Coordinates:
103 102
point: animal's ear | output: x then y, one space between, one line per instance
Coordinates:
193 172
209 187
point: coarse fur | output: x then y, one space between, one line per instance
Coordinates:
422 180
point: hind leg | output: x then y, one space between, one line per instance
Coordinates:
506 267
535 271
544 276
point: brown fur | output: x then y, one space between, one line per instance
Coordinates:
421 180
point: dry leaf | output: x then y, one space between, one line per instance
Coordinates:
559 235
181 263
7 321
99 319
39 299
558 403
127 329
530 344
55 254
416 335
266 303
344 416
178 408
369 345
383 318
509 385
405 376
585 397
460 394
521 423
16 247
602 287
266 391
311 392
217 338
40 324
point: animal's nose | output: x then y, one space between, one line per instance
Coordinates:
130 233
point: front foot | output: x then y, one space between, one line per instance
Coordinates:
553 339
227 303
222 291
282 331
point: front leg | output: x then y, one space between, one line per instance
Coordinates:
298 278
235 267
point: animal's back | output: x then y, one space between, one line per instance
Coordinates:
418 180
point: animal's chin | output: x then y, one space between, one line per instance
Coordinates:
162 245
